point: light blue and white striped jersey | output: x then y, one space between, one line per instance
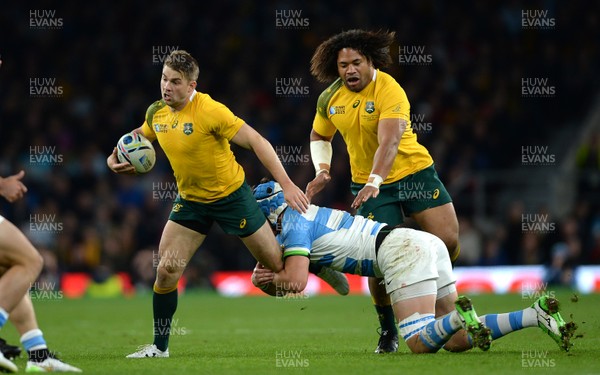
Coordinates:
332 238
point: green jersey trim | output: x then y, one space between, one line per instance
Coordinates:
326 95
154 107
296 251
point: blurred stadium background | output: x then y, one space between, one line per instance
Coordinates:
505 97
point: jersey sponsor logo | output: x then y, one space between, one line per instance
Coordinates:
436 193
396 109
370 216
177 207
356 103
242 223
160 128
188 128
174 126
337 110
370 107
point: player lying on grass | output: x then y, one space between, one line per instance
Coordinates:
414 264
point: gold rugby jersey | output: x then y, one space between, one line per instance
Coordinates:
196 142
356 116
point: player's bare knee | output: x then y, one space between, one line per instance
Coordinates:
419 349
36 264
167 274
416 346
32 263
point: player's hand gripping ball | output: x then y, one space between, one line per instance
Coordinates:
135 149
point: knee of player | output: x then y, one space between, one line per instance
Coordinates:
167 269
418 349
36 263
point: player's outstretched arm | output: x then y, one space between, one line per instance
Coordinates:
12 188
249 139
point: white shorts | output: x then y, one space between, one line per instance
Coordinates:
407 256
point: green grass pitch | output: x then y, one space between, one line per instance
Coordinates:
321 335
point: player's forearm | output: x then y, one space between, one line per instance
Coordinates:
285 283
321 152
268 157
388 136
384 159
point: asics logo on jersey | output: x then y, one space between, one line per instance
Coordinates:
436 193
177 207
242 223
356 104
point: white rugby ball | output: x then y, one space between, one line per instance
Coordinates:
137 150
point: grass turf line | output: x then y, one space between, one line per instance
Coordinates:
320 335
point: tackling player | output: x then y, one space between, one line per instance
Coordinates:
416 269
392 174
195 133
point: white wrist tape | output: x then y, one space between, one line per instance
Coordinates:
320 153
377 180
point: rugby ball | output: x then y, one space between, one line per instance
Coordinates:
137 150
